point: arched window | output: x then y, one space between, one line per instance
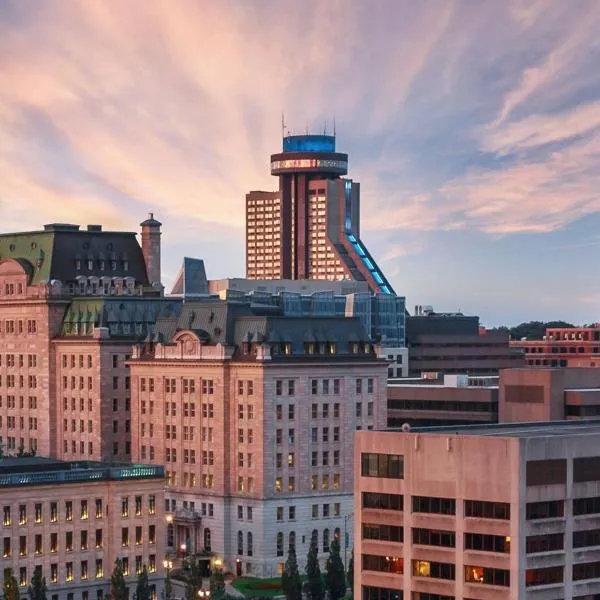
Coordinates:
279 543
240 544
249 544
325 540
292 540
314 537
207 541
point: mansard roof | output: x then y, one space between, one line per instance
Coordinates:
63 252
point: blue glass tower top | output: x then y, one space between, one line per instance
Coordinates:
309 143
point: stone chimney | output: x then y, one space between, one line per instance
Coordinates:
151 248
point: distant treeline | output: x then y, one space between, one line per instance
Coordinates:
532 330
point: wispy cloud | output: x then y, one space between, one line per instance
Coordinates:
456 116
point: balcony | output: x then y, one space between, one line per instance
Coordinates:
186 515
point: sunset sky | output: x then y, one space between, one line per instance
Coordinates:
473 128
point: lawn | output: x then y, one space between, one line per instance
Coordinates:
252 586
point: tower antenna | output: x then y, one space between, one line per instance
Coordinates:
325 128
333 126
282 125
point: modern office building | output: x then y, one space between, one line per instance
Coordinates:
485 512
563 347
442 400
310 227
382 315
72 304
72 520
515 396
454 343
538 394
253 414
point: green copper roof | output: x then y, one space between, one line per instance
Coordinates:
63 252
123 316
35 248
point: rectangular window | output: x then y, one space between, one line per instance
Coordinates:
546 472
487 543
487 510
390 466
388 533
552 509
426 504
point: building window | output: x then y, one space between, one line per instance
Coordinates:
487 510
279 543
388 533
382 465
487 575
545 510
385 564
426 504
425 568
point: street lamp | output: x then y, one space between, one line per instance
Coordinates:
346 519
168 564
204 594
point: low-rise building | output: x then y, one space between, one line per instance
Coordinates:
442 400
485 511
563 347
454 343
546 394
73 520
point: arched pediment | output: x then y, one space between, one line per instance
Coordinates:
15 267
189 335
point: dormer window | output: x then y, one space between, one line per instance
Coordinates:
287 349
102 265
310 348
113 265
90 265
126 265
330 348
78 265
354 348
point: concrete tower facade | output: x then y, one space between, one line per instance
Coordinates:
310 227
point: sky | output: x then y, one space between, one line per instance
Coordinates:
473 128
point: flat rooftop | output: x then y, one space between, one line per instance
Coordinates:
37 470
517 430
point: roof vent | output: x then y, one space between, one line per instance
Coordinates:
94 227
61 227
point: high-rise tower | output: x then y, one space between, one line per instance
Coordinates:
310 228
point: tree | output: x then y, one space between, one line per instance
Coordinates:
291 584
142 588
335 578
217 584
168 592
313 588
194 579
118 589
37 590
10 589
350 574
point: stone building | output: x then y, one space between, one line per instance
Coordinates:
72 303
72 520
253 415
